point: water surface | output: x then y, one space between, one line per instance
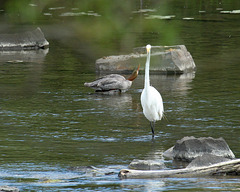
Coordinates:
53 128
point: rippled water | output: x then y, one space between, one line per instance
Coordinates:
57 135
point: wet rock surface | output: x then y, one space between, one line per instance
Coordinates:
147 164
23 41
164 59
206 160
8 189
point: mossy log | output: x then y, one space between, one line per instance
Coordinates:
231 167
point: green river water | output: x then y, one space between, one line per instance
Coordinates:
53 128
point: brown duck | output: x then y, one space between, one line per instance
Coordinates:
113 82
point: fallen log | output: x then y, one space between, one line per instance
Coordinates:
231 167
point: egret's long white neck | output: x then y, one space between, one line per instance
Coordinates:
147 80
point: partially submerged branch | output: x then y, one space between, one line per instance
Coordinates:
231 167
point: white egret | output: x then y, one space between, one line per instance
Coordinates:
113 82
151 99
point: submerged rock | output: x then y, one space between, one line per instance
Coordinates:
8 189
23 41
83 168
146 164
188 148
91 171
164 59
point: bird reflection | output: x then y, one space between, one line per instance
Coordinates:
114 102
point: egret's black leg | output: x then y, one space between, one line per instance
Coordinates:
152 127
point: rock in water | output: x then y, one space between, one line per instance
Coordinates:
164 59
188 148
206 160
8 189
23 41
146 165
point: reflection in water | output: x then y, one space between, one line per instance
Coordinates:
156 153
36 56
62 125
144 184
72 14
118 102
179 84
23 70
154 185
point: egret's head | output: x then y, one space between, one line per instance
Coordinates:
148 47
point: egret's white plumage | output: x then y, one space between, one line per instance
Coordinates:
151 99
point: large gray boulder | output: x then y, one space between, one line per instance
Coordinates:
164 59
23 41
188 148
